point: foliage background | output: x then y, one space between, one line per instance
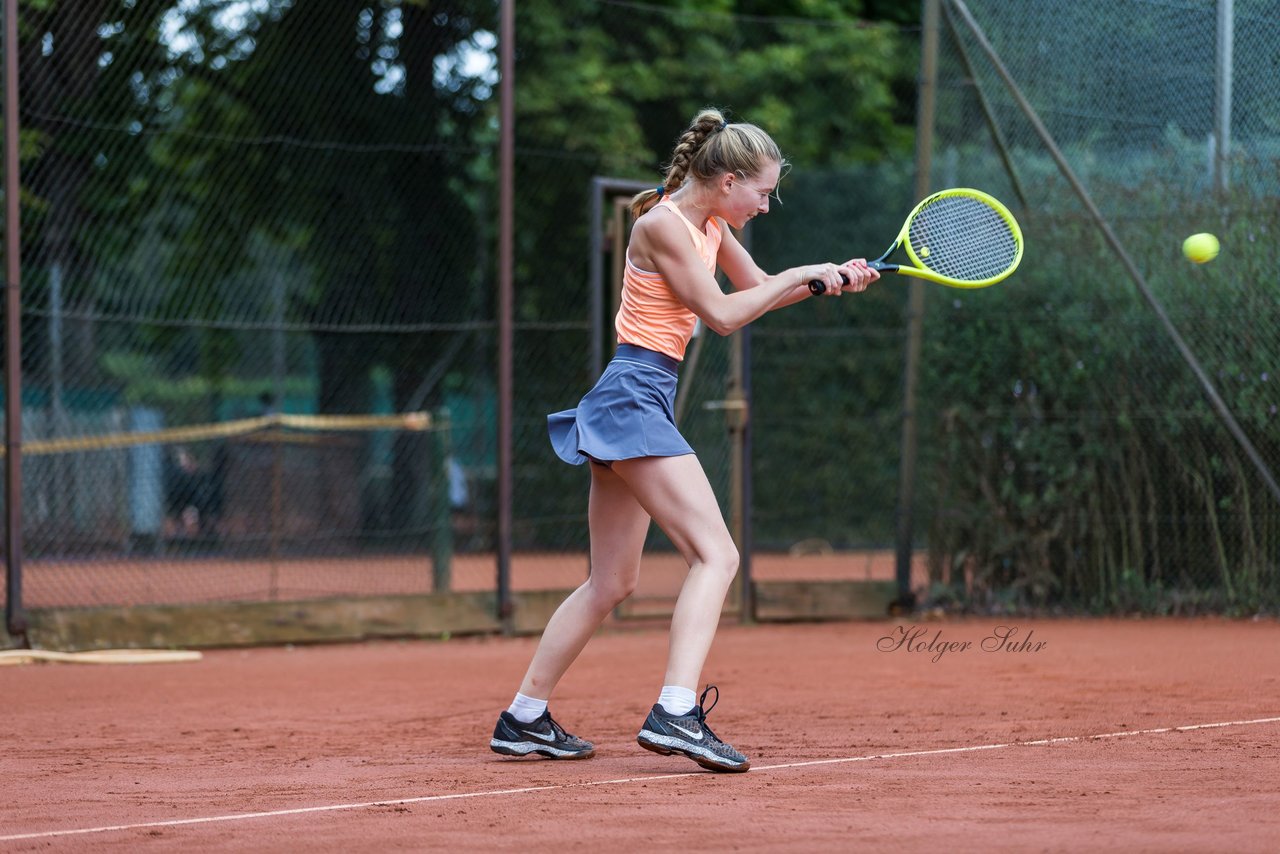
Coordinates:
238 206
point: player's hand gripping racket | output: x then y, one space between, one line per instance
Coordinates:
961 238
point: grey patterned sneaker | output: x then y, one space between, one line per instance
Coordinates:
689 735
542 735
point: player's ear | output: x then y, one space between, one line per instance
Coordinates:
726 181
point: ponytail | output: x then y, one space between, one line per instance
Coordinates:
709 147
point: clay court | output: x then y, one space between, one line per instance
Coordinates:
1131 735
292 288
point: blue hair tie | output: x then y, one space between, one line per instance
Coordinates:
660 190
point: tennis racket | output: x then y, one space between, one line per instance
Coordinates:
961 238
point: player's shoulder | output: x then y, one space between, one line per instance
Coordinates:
658 225
657 218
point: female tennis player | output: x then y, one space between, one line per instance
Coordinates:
642 469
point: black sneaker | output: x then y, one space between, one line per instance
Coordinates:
542 735
689 735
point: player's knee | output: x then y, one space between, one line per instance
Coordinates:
610 593
620 590
726 559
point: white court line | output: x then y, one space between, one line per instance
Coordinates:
48 834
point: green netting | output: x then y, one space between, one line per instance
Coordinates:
1073 456
239 208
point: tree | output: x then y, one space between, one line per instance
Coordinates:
78 67
207 171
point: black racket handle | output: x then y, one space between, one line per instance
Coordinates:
816 287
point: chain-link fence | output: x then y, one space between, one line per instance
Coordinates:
237 214
1073 455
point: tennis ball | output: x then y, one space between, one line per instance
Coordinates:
1200 248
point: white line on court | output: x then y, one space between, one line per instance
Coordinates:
244 816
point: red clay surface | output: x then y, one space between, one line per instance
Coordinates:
260 730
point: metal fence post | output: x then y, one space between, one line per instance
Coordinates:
15 620
915 311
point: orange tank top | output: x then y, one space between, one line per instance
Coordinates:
651 315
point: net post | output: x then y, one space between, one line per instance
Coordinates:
441 504
276 434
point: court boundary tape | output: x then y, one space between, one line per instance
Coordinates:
392 802
10 657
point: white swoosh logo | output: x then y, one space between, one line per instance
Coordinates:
549 739
696 736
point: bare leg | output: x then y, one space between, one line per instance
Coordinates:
618 526
676 493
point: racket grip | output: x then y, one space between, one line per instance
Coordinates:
816 287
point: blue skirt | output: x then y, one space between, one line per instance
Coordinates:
629 413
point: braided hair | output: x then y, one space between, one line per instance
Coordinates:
709 147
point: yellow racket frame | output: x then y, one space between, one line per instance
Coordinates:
919 267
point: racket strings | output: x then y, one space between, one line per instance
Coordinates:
963 238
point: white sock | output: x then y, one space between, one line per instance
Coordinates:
676 700
526 709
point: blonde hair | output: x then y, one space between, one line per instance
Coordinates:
709 147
